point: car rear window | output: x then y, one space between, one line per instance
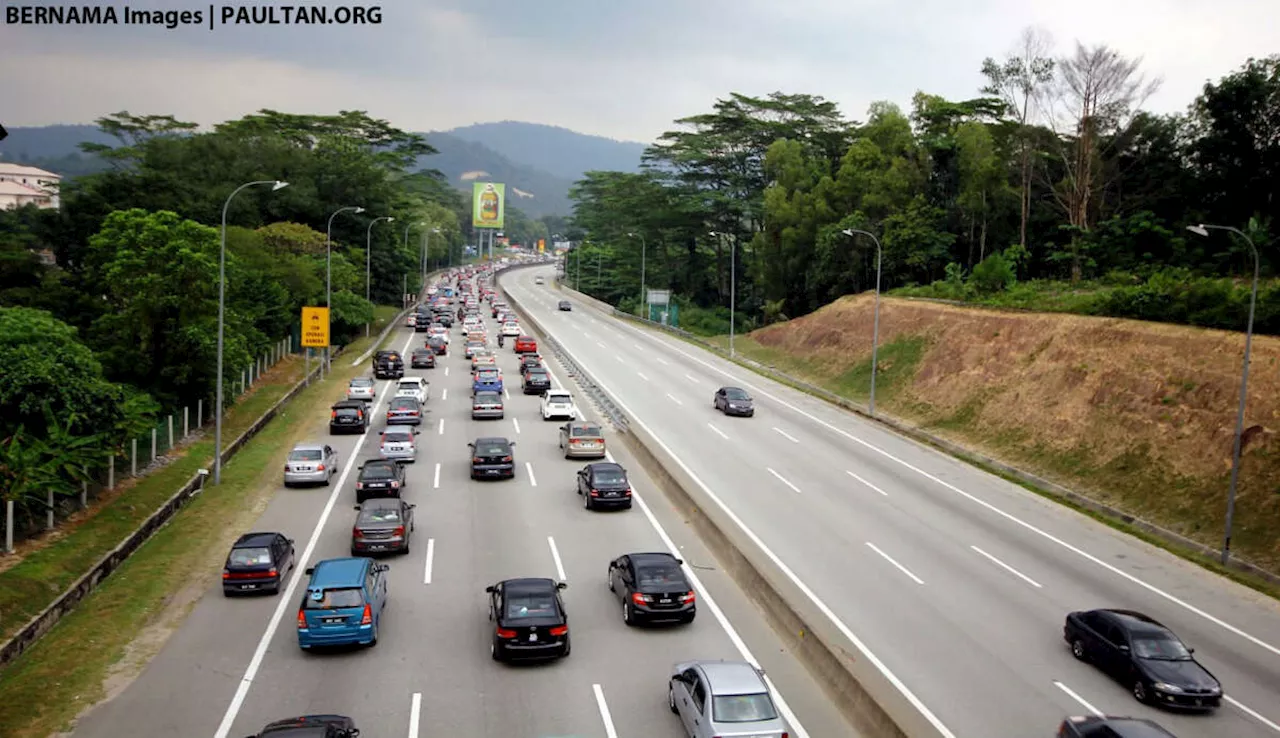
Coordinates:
742 708
529 605
610 476
491 449
362 383
410 386
587 432
558 398
308 454
404 403
488 397
658 575
380 515
736 394
396 437
250 556
377 472
332 598
347 411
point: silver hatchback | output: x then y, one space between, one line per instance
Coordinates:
362 388
715 698
399 445
310 463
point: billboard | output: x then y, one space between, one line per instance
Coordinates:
488 204
315 327
542 245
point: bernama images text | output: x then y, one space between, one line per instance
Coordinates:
225 15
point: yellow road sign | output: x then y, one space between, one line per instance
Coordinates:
315 327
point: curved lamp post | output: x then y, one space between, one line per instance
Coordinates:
1203 230
222 308
328 275
368 260
875 331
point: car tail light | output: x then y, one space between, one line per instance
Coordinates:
506 458
320 467
286 467
357 533
626 492
559 630
641 599
413 412
690 597
595 492
504 633
477 460
333 414
226 574
302 620
395 484
399 531
359 485
367 617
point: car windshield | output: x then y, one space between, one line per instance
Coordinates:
331 598
488 398
736 394
380 515
586 432
742 708
305 454
378 471
1160 649
609 476
659 575
491 449
530 605
250 556
396 437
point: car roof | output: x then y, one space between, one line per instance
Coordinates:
1118 727
585 424
732 677
652 557
404 400
731 387
349 403
374 503
339 572
1136 621
528 584
492 439
361 380
257 539
552 392
380 462
606 466
489 393
309 446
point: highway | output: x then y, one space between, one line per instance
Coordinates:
956 580
234 664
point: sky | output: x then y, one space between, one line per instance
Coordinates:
619 69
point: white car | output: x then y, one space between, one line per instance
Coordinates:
538 280
440 331
411 320
399 445
558 403
415 387
362 388
511 328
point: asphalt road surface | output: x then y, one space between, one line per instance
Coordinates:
956 580
234 665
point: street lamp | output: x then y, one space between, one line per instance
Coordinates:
328 275
644 294
1203 230
368 261
733 283
222 308
875 331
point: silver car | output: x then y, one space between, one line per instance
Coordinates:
399 445
361 388
724 698
310 463
486 405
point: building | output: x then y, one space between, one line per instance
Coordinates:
22 185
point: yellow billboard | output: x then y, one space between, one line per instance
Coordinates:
315 327
542 245
488 204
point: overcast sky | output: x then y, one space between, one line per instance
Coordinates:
608 67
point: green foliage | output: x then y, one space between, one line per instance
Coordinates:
993 274
350 314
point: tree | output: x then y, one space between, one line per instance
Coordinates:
982 181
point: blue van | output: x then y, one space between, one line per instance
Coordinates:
343 603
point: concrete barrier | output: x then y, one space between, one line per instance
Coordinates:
866 694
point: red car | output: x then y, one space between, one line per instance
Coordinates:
526 345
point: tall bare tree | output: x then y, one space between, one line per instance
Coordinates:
1097 95
1018 81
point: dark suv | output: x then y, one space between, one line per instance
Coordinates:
492 457
349 416
388 365
311 726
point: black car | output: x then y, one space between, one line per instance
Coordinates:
566 306
388 365
530 361
404 411
382 525
734 401
1092 726
379 478
349 416
536 381
604 484
529 619
258 562
311 726
652 587
437 345
1143 655
492 457
422 322
444 318
422 358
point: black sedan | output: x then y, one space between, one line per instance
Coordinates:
311 726
422 358
383 525
536 381
1143 655
604 484
1092 726
258 562
379 478
437 345
652 587
566 306
529 619
349 416
734 401
492 457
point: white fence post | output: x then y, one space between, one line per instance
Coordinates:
170 430
200 413
186 421
153 444
133 459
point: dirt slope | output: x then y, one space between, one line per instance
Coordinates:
1138 415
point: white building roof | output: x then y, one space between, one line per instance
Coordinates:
21 170
17 189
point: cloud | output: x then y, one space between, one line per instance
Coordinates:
624 70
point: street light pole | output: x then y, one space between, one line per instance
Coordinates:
222 308
328 276
1203 230
875 331
368 261
644 301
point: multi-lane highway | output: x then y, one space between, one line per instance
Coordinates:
234 664
956 580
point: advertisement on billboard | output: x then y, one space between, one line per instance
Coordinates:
542 245
488 204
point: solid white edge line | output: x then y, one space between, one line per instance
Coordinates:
1008 568
900 567
783 479
1251 713
786 435
286 598
717 430
555 555
674 399
1008 516
869 484
528 467
431 557
642 376
607 718
415 713
441 426
1078 698
516 423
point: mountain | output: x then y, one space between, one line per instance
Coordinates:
534 191
559 151
55 148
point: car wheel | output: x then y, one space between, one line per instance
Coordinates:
1140 691
690 619
628 613
671 699
328 480
586 501
288 485
374 642
609 577
495 652
1077 650
568 644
